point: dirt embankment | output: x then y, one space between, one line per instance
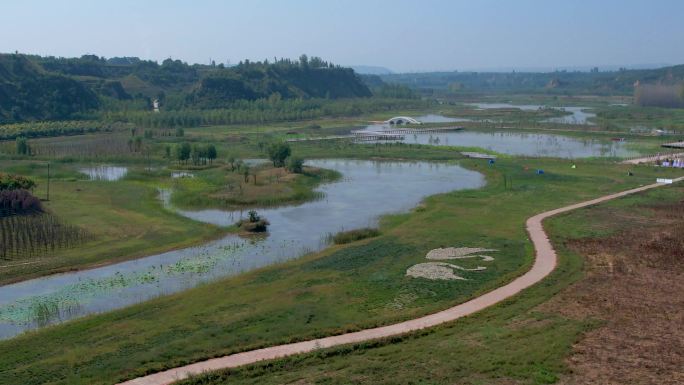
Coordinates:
635 287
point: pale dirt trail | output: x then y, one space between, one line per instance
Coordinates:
544 263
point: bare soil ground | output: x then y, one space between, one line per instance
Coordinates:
635 287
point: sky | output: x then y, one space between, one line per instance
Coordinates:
402 35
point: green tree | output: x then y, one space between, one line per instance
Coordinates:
245 172
304 61
183 152
211 153
253 216
295 164
138 143
14 182
278 152
195 154
23 146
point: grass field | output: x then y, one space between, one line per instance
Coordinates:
124 220
527 339
264 186
344 288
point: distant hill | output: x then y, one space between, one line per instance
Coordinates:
282 79
28 92
46 88
620 82
371 70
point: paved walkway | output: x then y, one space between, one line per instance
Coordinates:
654 158
544 263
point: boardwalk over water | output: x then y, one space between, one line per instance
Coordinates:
674 145
368 136
654 158
419 130
371 136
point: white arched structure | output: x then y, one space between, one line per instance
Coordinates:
402 120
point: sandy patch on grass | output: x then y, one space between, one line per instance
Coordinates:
459 253
433 270
446 271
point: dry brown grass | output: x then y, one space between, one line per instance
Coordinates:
635 286
269 182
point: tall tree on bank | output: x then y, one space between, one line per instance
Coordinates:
278 152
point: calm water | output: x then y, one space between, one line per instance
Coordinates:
367 190
108 173
578 114
255 162
529 144
517 143
435 118
182 174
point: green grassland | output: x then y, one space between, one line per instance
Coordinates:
134 199
265 186
344 288
516 341
125 220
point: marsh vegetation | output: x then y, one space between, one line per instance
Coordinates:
342 234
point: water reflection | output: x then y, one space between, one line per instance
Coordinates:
367 190
516 143
529 144
578 115
107 173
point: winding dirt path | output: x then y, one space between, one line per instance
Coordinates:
544 263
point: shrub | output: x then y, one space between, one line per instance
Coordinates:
354 235
18 201
295 164
253 216
23 146
254 224
278 152
14 182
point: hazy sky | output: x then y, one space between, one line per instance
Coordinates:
398 34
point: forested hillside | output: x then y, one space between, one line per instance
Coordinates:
49 88
28 92
313 78
35 88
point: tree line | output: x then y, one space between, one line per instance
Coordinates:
54 128
270 110
197 153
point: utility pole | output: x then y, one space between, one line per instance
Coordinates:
48 182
